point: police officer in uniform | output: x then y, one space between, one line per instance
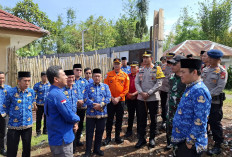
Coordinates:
4 89
215 78
18 105
125 68
71 92
189 123
148 82
41 90
81 107
118 82
97 95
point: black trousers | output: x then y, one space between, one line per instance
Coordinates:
152 106
81 114
91 124
13 137
164 96
183 151
118 111
132 107
39 116
215 118
3 123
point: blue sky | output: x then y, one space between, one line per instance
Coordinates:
111 9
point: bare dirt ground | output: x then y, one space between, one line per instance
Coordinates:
127 148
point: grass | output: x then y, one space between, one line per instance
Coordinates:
228 91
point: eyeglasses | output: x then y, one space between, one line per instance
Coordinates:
87 73
78 70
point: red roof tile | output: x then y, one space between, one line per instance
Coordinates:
194 47
9 21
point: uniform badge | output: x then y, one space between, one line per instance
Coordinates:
177 130
40 93
82 81
15 120
16 108
29 107
92 99
192 136
49 85
5 91
85 99
187 93
19 101
179 111
29 119
92 91
75 91
63 101
66 92
29 94
67 96
217 70
198 122
201 99
103 99
4 106
102 88
16 95
214 81
102 110
92 110
91 88
40 86
223 75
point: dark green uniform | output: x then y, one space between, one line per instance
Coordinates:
177 88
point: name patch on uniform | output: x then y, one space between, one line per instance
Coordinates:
102 88
201 99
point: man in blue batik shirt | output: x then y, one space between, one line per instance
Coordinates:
61 120
81 107
41 90
4 89
18 105
88 75
97 95
71 92
125 68
189 132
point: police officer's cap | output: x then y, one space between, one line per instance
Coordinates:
202 52
147 53
134 63
163 58
77 66
124 58
214 53
68 72
96 70
43 73
170 54
24 74
176 59
117 60
191 63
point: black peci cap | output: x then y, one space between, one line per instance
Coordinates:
68 72
124 58
43 73
189 56
191 63
96 70
24 74
202 52
77 66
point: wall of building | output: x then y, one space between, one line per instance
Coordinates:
4 43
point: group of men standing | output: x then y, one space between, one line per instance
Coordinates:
67 99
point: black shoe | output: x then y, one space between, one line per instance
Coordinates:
128 133
87 154
118 140
3 152
38 134
106 141
99 152
79 144
214 151
151 142
140 143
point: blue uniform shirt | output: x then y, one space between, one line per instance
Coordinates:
4 89
82 83
90 80
73 96
60 117
18 106
190 120
97 94
126 69
41 91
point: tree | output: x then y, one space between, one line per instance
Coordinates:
70 16
215 19
142 11
187 28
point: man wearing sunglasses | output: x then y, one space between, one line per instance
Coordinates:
88 75
81 107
